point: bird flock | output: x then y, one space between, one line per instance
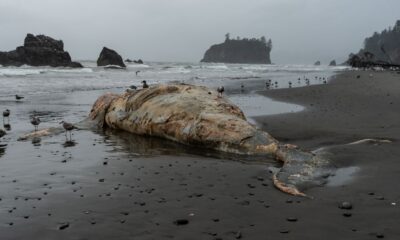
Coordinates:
35 121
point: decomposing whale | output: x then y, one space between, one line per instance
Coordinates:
196 115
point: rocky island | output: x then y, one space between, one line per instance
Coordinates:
109 57
381 49
38 50
252 51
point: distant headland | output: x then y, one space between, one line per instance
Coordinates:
381 49
253 51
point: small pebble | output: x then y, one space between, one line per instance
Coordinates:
345 205
291 219
347 214
380 235
181 222
238 235
63 226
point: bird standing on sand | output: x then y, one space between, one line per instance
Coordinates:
35 122
6 114
68 128
145 84
18 97
290 84
220 90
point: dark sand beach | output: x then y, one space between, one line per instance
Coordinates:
99 189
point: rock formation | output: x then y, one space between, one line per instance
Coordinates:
39 50
317 63
252 51
381 49
332 63
110 57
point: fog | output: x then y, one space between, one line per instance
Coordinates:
302 31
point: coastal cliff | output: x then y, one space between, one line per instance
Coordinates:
253 51
381 49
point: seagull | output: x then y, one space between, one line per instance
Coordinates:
18 97
35 122
6 114
2 133
220 90
145 84
68 128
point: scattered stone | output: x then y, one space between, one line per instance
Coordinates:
291 219
345 205
380 235
181 222
238 235
347 214
63 226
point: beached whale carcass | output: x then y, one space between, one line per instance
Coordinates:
195 115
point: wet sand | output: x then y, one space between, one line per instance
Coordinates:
111 185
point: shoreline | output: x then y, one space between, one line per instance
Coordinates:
104 187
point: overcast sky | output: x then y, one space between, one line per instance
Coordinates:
302 31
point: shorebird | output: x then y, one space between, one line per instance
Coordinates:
137 72
18 97
290 84
68 128
6 114
35 122
145 84
220 90
2 133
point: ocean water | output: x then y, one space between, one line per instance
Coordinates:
64 93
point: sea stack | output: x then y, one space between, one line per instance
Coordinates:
251 51
332 63
38 50
317 63
110 57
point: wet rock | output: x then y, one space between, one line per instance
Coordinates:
39 50
110 57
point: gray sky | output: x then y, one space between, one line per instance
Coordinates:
302 31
